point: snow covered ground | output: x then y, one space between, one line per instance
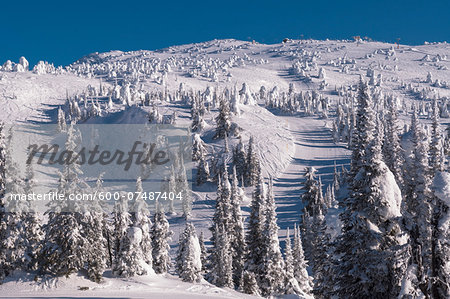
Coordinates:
286 143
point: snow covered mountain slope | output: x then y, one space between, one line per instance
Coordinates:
125 87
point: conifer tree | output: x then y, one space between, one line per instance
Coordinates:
239 160
363 129
64 251
238 245
392 151
202 171
188 261
141 219
300 265
95 242
272 282
223 119
436 157
253 168
220 272
370 237
161 235
255 238
204 253
249 284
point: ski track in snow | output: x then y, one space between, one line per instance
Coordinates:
314 147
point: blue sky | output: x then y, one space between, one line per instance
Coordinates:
61 32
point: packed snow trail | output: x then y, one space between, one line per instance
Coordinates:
314 147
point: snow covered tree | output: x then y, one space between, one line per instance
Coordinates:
182 187
255 235
204 253
130 258
237 233
312 197
252 168
249 284
392 151
198 148
95 246
64 251
441 235
32 232
273 279
188 261
239 160
418 205
140 218
161 236
197 115
436 153
321 260
223 119
300 265
290 281
371 235
202 171
363 130
220 272
122 221
61 120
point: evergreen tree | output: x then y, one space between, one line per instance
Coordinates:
202 171
370 235
61 120
237 233
255 238
363 130
253 168
182 188
272 282
161 235
223 119
300 265
141 219
392 151
201 240
188 261
220 272
248 284
321 260
239 160
130 258
418 203
95 242
436 157
198 148
64 247
122 221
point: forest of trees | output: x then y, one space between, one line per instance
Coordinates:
393 243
